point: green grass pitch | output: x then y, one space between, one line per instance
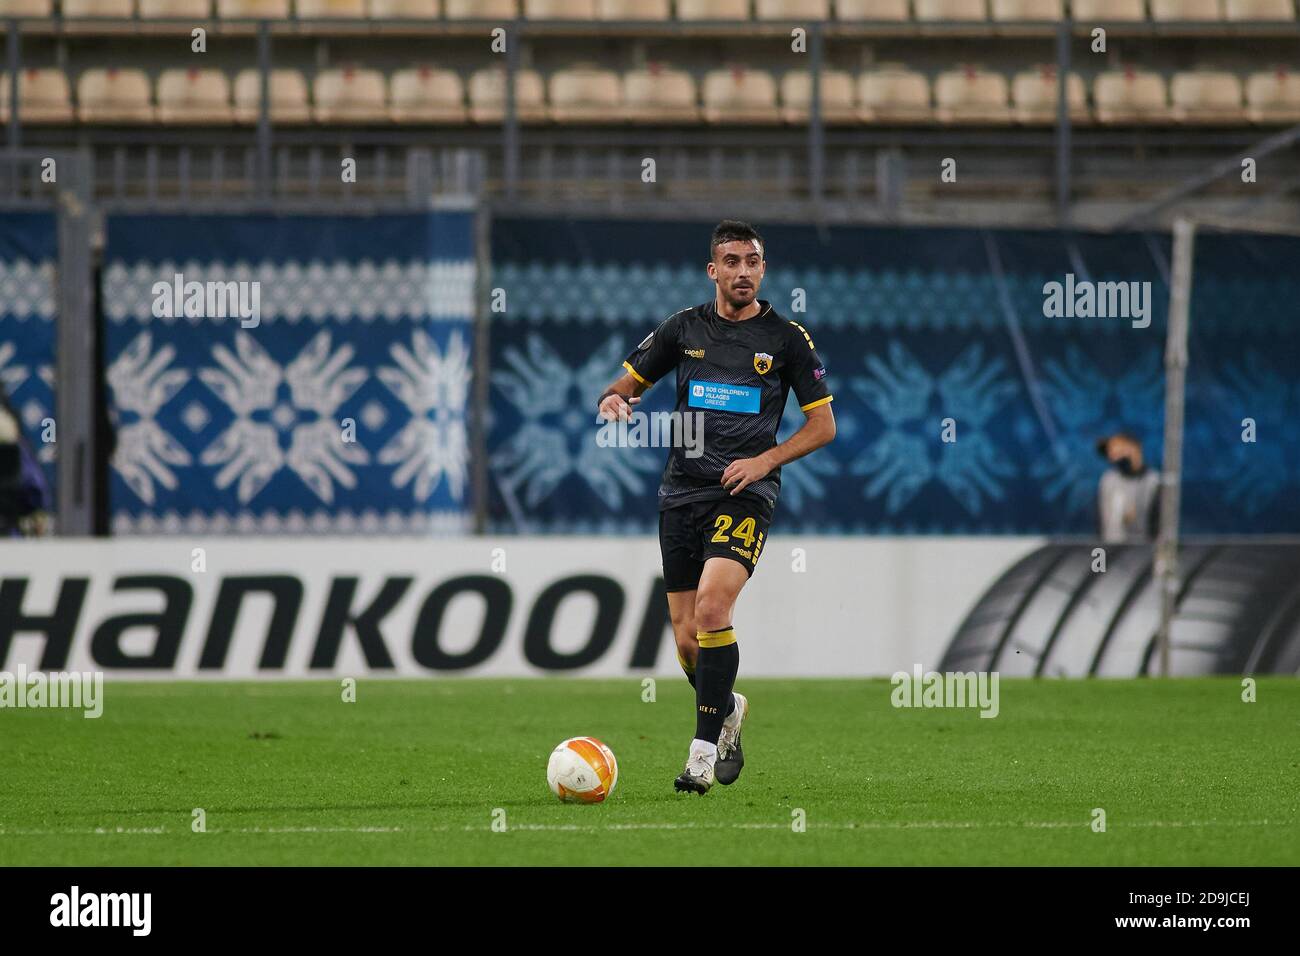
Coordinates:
412 772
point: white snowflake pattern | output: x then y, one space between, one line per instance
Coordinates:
319 381
901 391
434 386
553 400
11 376
142 383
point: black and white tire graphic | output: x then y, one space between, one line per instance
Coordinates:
1051 615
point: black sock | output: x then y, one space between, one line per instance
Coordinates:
689 671
715 676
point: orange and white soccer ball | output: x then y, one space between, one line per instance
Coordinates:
582 770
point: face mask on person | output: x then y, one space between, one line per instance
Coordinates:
1126 467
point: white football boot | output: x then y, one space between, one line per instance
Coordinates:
698 775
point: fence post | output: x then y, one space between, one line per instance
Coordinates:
510 129
1064 34
14 64
76 402
264 110
1166 564
816 129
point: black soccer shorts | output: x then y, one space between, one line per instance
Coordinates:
690 534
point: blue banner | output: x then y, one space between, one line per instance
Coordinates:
28 305
282 374
973 372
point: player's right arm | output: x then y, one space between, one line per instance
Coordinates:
650 361
616 404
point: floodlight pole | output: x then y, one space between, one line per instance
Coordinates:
1166 564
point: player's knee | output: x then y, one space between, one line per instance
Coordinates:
712 612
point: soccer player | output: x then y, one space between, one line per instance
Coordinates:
736 361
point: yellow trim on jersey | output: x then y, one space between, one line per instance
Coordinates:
716 638
636 375
820 401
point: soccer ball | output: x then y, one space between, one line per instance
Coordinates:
582 770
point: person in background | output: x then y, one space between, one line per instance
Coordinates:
1128 492
24 495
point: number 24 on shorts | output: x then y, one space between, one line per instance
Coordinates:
743 531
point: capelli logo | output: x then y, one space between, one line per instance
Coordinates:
102 909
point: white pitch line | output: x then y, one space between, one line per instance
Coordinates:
879 825
615 827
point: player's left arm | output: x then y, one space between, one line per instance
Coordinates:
806 375
818 429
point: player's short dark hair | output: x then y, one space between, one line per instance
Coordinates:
732 230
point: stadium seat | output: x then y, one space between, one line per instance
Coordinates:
633 10
331 9
930 10
1206 96
427 95
194 96
792 9
712 9
114 96
971 96
1004 10
1258 10
404 9
837 94
1165 10
1108 11
1034 92
659 95
585 94
98 8
162 9
288 89
1273 97
481 9
43 96
245 9
894 94
349 95
26 8
871 10
487 96
740 96
560 9
1130 96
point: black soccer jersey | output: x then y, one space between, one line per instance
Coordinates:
736 377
